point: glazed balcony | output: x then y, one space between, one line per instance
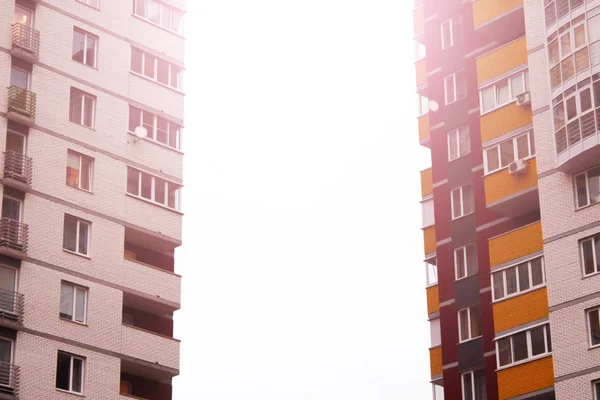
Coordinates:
25 42
9 381
13 237
578 142
17 169
513 194
11 309
21 105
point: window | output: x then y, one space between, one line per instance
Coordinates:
79 171
596 388
161 14
451 31
462 201
500 155
519 278
503 92
92 3
82 108
590 255
524 345
469 323
152 188
465 261
420 50
76 235
587 187
427 209
423 104
459 143
159 129
73 300
431 271
438 391
85 47
473 385
156 69
568 51
69 372
455 86
435 331
594 322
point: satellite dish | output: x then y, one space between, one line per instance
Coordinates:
433 105
140 132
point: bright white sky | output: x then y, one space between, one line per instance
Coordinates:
302 262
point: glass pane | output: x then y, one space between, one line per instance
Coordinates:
154 11
559 115
149 62
70 234
498 285
175 77
173 135
165 18
80 305
468 206
502 94
507 153
579 33
90 57
88 114
538 342
511 280
548 338
19 78
461 85
176 21
463 316
593 181
449 85
459 262
163 72
475 321
597 252
148 123
456 203
504 352
523 270
523 146
472 266
565 44
86 173
11 208
75 107
83 237
133 181
72 170
568 68
480 389
162 130
63 371
468 386
136 58
147 186
588 256
140 7
516 85
571 104
464 141
585 97
77 375
532 143
457 29
537 272
553 55
493 162
135 118
78 46
446 34
519 342
487 99
453 145
66 301
594 327
581 189
159 194
173 189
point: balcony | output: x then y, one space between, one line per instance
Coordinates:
134 385
518 243
13 237
578 142
25 43
11 309
513 195
526 378
424 134
21 105
17 170
159 351
9 381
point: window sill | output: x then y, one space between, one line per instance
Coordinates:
595 347
152 203
515 295
593 274
80 189
77 254
179 35
462 216
74 322
144 77
524 361
481 113
157 143
469 340
455 101
69 392
485 174
87 5
577 209
83 126
95 68
458 158
466 277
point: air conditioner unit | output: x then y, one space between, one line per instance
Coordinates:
524 99
517 167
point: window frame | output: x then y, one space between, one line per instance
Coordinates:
459 152
595 256
574 49
83 368
422 105
524 73
431 269
596 389
435 332
530 356
420 48
519 292
588 318
463 249
587 188
87 3
515 139
177 199
85 35
160 16
84 95
469 325
462 383
455 86
154 139
80 174
427 213
454 23
79 221
154 77
462 201
74 302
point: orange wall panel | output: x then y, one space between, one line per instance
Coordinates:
503 120
435 359
429 239
515 244
486 10
501 60
525 378
433 299
520 310
421 71
424 128
502 184
426 182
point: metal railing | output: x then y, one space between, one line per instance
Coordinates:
9 379
18 167
12 305
14 234
26 38
21 101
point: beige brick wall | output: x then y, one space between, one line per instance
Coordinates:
577 388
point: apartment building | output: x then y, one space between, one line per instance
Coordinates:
91 120
509 105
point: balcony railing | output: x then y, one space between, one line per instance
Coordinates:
9 379
26 38
13 235
22 101
11 306
18 167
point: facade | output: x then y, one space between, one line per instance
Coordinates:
509 93
90 128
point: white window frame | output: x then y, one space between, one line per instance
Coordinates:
87 3
83 367
530 356
595 255
462 201
589 325
84 95
519 291
463 249
79 223
177 132
515 140
422 105
587 189
454 85
459 151
428 213
451 22
154 77
153 190
511 96
435 392
574 49
85 35
74 301
91 171
420 45
596 389
431 269
462 384
435 332
162 6
458 317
